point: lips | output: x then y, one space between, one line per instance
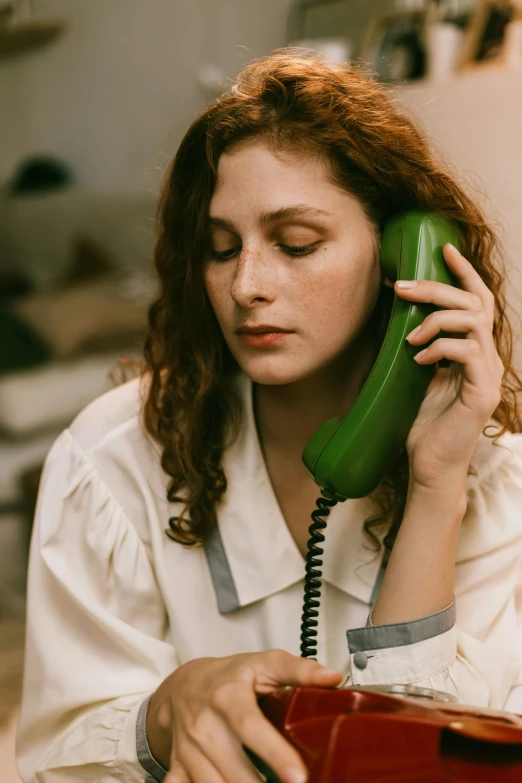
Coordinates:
262 329
263 336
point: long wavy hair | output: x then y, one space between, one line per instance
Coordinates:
292 102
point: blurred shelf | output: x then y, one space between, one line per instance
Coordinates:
18 39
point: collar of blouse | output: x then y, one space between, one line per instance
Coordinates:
252 554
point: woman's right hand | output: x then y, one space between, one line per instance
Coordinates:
204 712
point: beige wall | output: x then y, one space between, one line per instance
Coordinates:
115 94
475 120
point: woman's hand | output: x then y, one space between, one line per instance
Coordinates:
462 397
204 712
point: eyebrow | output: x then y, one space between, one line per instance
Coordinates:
294 210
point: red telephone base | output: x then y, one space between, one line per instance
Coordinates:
357 736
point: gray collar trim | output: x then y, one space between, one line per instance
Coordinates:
221 574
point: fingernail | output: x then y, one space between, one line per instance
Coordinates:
413 333
406 283
296 775
420 354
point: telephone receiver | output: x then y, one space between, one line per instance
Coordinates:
348 457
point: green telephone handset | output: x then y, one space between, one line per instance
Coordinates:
348 457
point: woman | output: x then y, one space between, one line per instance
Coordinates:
165 583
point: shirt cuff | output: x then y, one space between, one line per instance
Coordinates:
155 771
402 653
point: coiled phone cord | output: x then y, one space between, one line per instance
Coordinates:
313 574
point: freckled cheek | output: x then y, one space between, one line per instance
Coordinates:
329 303
218 291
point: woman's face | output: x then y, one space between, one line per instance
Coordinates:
293 271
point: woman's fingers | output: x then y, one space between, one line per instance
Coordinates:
176 774
469 279
255 732
476 370
278 667
215 714
215 734
470 323
239 709
225 753
472 295
198 767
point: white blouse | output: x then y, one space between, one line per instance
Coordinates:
114 605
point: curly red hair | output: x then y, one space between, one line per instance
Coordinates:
292 102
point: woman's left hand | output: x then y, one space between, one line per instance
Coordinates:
461 398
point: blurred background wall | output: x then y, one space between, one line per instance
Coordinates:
121 86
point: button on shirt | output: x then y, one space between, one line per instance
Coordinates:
114 605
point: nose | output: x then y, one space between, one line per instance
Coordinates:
253 281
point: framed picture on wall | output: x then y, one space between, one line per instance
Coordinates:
486 37
394 45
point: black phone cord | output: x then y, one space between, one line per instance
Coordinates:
313 574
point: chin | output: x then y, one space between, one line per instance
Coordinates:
274 370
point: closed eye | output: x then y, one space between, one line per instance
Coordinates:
224 255
299 250
290 250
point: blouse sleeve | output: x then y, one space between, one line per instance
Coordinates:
96 629
514 700
469 649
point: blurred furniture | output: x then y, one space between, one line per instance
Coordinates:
86 260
